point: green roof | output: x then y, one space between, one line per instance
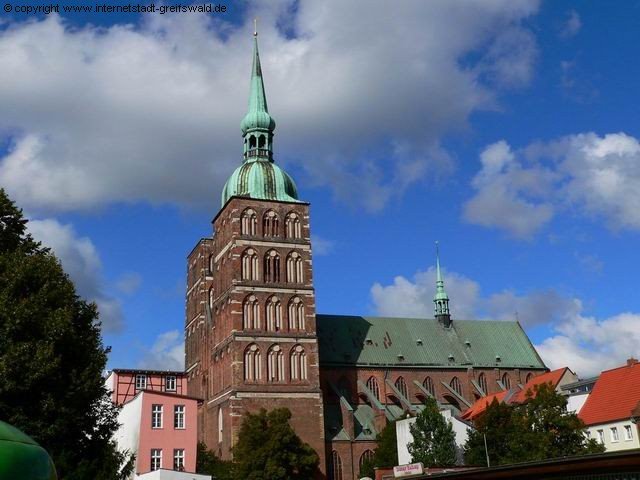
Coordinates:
419 342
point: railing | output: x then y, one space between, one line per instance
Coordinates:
258 152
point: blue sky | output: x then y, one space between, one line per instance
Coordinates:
507 130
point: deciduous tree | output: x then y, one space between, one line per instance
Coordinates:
52 359
433 438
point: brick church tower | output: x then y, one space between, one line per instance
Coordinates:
250 333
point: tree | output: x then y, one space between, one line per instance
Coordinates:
539 429
209 464
433 438
52 359
386 453
269 449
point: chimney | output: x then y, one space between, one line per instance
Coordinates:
631 361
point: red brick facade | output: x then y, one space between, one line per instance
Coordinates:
250 328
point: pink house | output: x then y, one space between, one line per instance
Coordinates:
158 423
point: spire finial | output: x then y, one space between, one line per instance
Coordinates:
441 299
255 27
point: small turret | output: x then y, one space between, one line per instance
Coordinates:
441 299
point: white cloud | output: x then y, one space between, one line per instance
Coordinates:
520 192
166 353
129 283
589 345
586 344
572 25
81 262
361 96
321 245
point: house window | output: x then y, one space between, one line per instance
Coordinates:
178 459
401 386
156 416
178 417
252 363
141 381
628 432
372 384
156 459
272 267
220 425
482 381
428 386
296 314
335 467
170 383
298 363
275 364
456 385
615 437
295 268
601 436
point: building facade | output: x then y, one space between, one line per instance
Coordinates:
158 422
253 339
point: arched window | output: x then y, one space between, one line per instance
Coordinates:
298 363
270 224
261 141
456 385
529 378
372 384
252 141
365 458
482 381
274 314
296 314
292 226
506 381
211 297
220 424
428 386
401 386
335 466
212 263
294 268
275 364
251 313
272 267
250 265
252 363
249 222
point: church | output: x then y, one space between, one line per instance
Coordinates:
253 338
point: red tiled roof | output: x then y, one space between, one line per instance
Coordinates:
615 394
550 377
481 405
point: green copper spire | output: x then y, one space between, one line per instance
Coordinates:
258 177
441 299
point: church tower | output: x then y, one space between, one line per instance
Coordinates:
250 333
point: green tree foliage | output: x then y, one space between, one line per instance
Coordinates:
209 464
386 453
539 429
269 449
52 359
433 438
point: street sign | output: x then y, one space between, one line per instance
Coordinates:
408 470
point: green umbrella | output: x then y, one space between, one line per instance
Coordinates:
22 458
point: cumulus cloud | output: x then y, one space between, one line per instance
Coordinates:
129 283
519 192
166 353
589 345
150 113
321 245
414 298
572 25
81 261
584 343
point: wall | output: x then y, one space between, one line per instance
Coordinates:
621 444
123 383
167 438
128 434
404 437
